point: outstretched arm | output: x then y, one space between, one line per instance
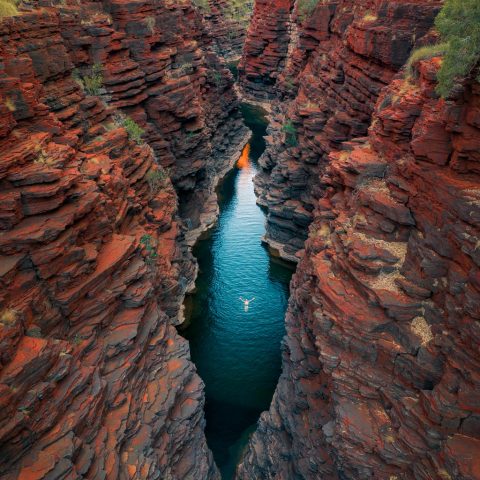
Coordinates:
252 299
241 299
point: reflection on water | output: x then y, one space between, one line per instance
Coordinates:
244 160
237 353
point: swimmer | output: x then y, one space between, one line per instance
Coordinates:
246 302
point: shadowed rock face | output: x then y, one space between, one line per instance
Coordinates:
94 380
380 361
227 22
266 48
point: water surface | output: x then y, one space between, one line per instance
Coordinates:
237 353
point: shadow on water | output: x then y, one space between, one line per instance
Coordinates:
237 352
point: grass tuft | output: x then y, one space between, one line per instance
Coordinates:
8 8
8 316
424 53
370 17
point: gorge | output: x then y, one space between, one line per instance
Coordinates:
128 222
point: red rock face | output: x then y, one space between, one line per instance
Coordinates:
95 382
345 56
266 48
380 362
227 25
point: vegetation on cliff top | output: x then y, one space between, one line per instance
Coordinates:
305 8
459 26
237 10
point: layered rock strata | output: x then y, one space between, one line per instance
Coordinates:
227 22
266 48
159 68
95 381
380 362
344 53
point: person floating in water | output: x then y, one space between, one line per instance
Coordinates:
246 302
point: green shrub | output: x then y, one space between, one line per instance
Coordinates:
305 8
215 77
8 316
369 17
156 179
76 339
134 130
239 11
202 4
459 26
8 8
289 84
91 82
146 241
290 134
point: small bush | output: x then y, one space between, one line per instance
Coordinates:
202 4
187 68
8 8
91 82
134 130
289 84
8 316
215 77
305 8
76 339
459 26
146 241
156 179
290 134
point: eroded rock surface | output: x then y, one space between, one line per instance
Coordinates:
95 381
227 22
380 361
340 57
266 48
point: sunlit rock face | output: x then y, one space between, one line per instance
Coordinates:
380 360
95 382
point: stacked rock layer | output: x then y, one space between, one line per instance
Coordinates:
227 22
341 57
95 381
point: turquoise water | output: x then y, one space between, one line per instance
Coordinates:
237 353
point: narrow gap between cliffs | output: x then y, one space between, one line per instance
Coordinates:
237 352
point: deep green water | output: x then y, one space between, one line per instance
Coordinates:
237 353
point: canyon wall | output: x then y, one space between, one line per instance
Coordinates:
95 381
380 375
227 22
266 48
341 57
